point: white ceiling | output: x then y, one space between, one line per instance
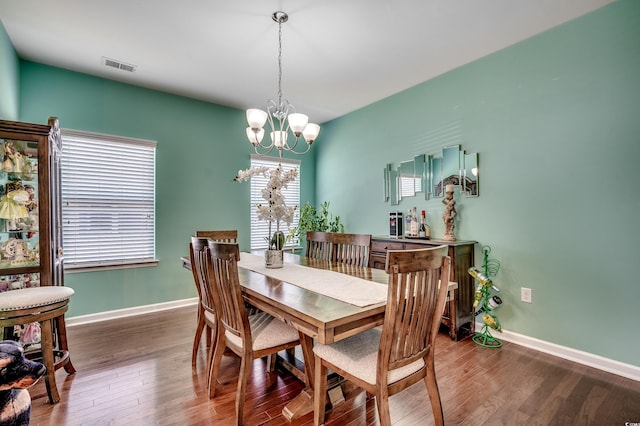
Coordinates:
338 55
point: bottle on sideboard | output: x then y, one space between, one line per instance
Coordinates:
422 232
414 223
407 224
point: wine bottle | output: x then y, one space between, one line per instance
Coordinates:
422 232
414 223
407 228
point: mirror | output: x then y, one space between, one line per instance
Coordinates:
386 182
436 176
470 178
407 180
393 187
450 166
430 174
419 171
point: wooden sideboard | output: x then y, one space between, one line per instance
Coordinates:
458 316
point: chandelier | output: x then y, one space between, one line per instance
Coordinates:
281 115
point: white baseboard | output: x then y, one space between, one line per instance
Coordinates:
128 312
581 357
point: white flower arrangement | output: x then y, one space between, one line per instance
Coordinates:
275 210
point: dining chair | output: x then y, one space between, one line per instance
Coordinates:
199 253
229 236
386 361
249 337
318 245
352 249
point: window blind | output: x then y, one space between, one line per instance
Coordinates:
260 228
108 200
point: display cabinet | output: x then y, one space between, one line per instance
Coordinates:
30 207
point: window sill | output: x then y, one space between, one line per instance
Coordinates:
97 268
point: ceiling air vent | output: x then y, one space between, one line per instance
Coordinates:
118 65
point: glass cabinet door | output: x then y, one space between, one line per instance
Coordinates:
19 236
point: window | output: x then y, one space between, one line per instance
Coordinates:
260 228
108 200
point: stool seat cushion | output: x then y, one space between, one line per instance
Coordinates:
27 298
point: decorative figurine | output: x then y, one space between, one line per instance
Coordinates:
449 214
14 160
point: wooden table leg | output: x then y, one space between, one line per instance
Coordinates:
453 323
303 403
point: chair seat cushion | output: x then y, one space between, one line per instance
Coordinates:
27 298
267 332
358 356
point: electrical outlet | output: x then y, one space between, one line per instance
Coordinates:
525 295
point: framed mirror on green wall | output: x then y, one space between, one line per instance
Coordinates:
431 173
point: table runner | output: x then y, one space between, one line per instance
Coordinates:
343 287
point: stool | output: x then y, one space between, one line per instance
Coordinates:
47 306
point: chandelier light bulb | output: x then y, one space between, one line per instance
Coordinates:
297 123
279 138
256 118
255 135
311 132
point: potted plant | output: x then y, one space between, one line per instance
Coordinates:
313 220
275 210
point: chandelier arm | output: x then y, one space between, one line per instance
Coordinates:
267 150
299 152
292 147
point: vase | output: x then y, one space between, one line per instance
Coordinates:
273 259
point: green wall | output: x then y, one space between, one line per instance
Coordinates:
556 122
9 74
201 146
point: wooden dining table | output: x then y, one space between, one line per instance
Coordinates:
315 316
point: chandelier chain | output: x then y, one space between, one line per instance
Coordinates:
279 64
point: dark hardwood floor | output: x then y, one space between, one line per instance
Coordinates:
137 371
